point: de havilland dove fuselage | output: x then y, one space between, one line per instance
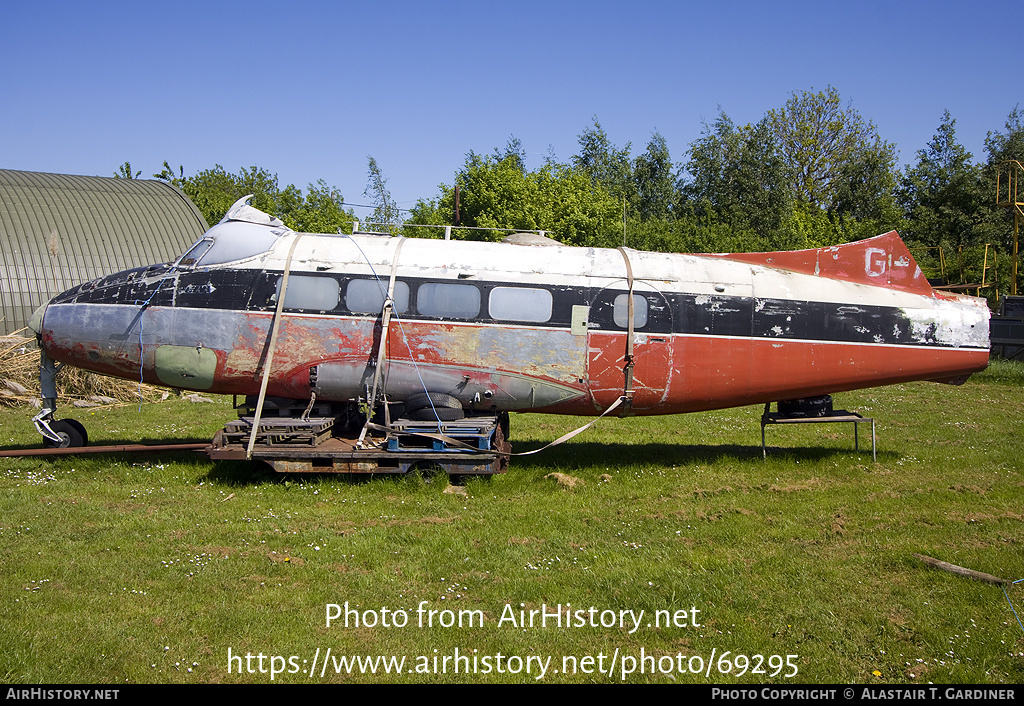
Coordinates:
510 327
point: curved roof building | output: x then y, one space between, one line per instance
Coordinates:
58 230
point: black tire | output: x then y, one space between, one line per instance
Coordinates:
71 432
436 400
820 406
437 414
80 428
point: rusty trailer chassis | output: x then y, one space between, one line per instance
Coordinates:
475 445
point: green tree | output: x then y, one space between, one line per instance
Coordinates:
941 194
167 174
385 211
577 212
655 181
496 192
605 164
322 211
514 154
836 159
736 177
645 186
125 172
1002 146
214 190
866 190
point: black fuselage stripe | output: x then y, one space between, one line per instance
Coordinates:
667 312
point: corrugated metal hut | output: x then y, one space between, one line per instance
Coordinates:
58 230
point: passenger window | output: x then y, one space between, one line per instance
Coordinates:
520 304
317 293
620 311
457 301
366 296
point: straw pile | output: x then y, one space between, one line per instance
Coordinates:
19 380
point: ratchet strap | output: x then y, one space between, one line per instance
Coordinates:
275 323
389 305
627 370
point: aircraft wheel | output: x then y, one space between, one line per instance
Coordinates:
71 433
427 400
437 414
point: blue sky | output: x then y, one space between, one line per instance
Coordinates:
308 89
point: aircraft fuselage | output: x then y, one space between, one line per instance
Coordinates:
509 327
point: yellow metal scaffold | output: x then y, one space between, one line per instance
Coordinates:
940 275
1008 175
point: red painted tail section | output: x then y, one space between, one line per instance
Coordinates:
882 261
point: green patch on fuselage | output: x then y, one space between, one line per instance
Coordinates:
186 366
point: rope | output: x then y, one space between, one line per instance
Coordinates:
1011 604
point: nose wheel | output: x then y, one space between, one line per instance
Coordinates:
67 433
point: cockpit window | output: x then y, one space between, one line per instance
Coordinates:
230 241
195 253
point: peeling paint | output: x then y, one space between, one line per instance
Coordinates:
206 288
958 322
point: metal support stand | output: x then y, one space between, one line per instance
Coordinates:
839 415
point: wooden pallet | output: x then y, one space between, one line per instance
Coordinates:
280 431
475 432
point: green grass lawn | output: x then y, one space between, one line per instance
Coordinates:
129 568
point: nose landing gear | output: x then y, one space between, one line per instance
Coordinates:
57 433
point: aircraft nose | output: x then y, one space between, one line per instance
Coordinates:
36 321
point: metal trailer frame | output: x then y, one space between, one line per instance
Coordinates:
476 445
